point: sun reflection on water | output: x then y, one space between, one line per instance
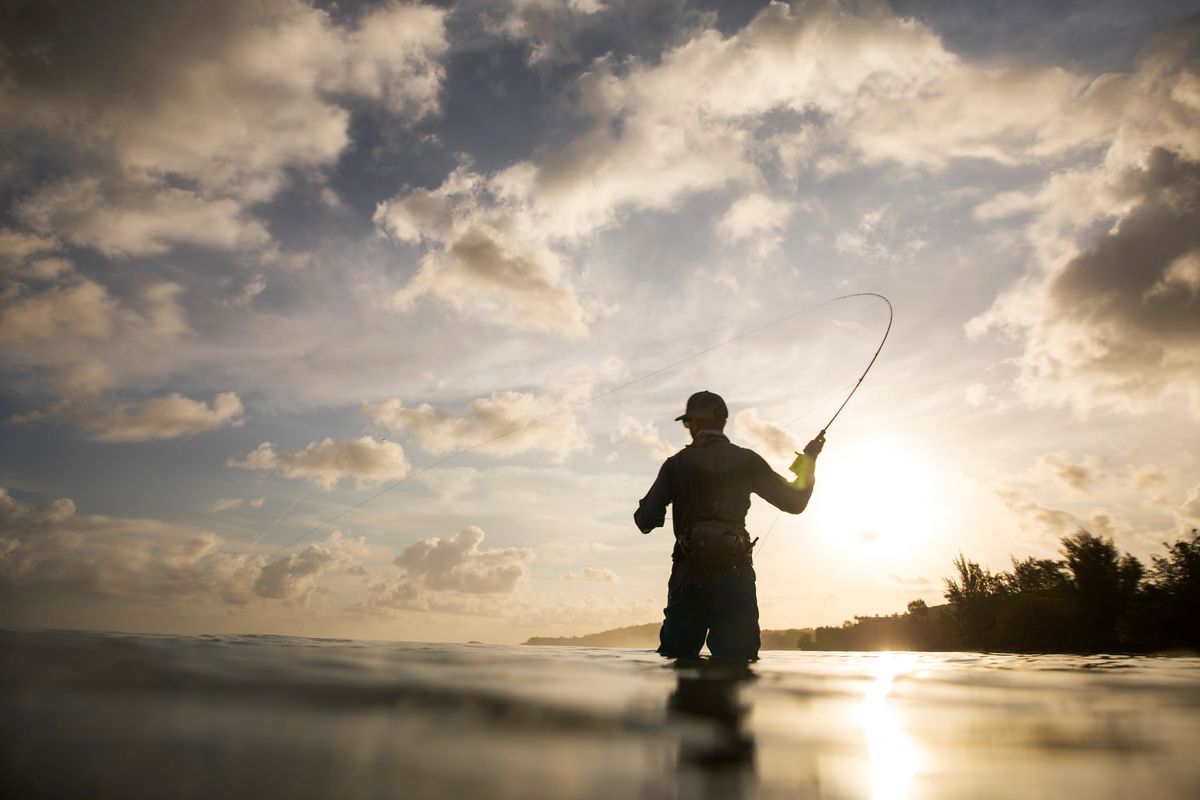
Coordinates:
894 756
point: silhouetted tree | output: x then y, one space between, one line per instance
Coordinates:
1035 575
1094 599
1104 584
975 598
1175 585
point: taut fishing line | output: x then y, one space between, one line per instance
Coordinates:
598 396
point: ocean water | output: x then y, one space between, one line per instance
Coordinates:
88 715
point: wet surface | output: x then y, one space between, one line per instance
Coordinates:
107 715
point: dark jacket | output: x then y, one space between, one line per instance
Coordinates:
712 478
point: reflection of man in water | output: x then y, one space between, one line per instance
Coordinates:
708 483
716 759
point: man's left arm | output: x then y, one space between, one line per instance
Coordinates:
652 510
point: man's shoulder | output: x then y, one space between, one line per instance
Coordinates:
727 450
747 456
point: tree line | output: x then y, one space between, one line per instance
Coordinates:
1093 599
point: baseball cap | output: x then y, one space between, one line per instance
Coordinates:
705 405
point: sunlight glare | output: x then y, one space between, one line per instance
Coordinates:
877 492
893 755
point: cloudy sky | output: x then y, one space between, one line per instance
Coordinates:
261 261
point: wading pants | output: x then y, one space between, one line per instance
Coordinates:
724 611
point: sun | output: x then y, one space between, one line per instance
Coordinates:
876 492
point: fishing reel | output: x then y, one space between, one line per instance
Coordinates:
806 462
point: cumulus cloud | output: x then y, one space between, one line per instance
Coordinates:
170 417
293 577
50 552
328 461
657 133
592 575
819 83
449 575
765 437
68 331
482 258
192 113
139 218
1110 321
642 434
80 310
502 424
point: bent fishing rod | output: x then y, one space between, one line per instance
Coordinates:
607 393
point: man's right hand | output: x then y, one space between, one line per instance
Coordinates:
813 448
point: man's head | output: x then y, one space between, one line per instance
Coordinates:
706 411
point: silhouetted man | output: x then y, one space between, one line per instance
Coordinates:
711 591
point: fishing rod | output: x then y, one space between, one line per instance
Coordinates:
598 396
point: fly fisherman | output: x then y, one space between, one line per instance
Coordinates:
711 591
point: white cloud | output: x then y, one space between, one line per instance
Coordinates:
193 114
50 552
592 575
326 462
293 577
697 121
167 417
28 256
1108 321
505 421
547 26
756 216
482 258
139 219
170 417
449 574
226 504
74 336
80 310
770 439
877 237
642 434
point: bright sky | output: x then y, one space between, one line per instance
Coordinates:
259 261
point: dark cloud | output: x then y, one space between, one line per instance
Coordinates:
1126 278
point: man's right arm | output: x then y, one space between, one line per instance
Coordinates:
789 496
652 510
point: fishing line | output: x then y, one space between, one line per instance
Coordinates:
598 396
303 495
878 350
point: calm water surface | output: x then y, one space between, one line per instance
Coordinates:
122 716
